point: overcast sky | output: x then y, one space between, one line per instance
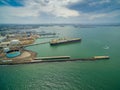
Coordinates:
59 11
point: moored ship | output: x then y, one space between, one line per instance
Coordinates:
62 41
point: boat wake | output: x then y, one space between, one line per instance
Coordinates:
106 47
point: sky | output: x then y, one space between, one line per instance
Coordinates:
59 11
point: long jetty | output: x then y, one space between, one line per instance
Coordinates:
59 60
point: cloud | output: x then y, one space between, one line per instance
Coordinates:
4 2
55 7
18 12
41 11
34 8
64 12
105 16
94 3
96 16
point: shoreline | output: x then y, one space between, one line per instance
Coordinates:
25 56
30 57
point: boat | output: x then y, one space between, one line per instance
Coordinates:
64 40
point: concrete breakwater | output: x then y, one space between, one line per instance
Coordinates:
58 60
52 57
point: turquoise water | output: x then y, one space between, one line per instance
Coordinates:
13 54
98 75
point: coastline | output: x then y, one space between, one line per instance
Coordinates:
26 56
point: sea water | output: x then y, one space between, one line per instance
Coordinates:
80 75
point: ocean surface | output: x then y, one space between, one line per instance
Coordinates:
80 75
